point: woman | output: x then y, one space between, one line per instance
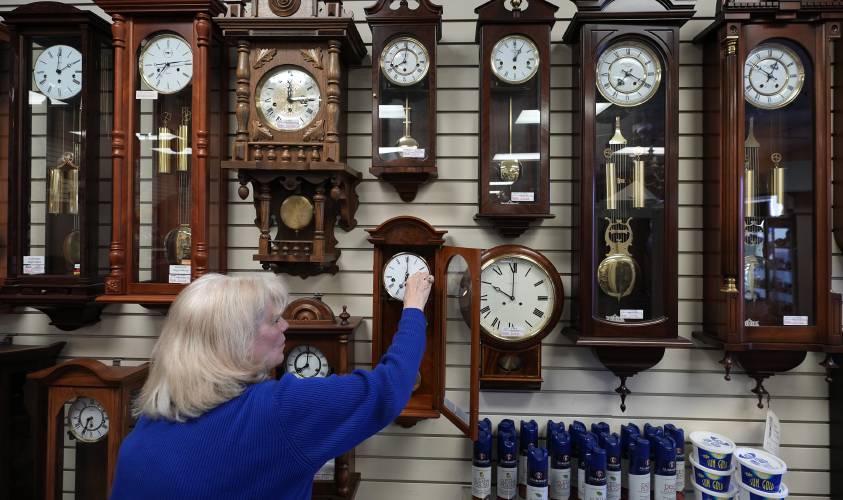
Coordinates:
213 425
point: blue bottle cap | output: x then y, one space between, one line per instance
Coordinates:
678 435
599 427
529 435
554 427
536 466
485 424
506 424
665 464
611 443
639 456
628 433
507 448
595 466
587 441
483 448
559 447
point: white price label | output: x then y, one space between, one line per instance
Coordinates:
181 279
523 196
772 433
632 313
34 264
144 95
512 331
412 153
795 321
179 269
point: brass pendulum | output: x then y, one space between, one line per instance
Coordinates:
777 182
184 140
510 169
407 141
165 166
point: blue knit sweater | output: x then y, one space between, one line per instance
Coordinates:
268 442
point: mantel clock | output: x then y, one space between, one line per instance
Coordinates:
404 92
514 112
60 74
169 194
767 286
626 93
291 73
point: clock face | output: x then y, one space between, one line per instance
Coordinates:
87 420
773 75
58 72
517 298
400 267
404 61
515 59
288 98
166 64
628 73
306 361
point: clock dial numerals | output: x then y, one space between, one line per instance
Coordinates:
516 298
515 59
58 72
288 98
404 61
400 267
166 64
87 420
306 361
773 75
628 74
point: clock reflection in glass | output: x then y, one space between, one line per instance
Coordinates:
87 420
288 98
398 268
58 72
166 64
306 361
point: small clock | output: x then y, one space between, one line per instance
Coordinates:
87 420
166 63
404 61
288 98
773 75
628 73
58 72
515 59
306 361
400 267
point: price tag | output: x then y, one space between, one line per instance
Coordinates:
512 331
144 95
179 273
33 264
772 433
412 152
795 321
632 313
523 196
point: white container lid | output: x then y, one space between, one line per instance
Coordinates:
782 493
761 461
732 493
712 442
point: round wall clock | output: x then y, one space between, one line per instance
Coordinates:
515 59
404 61
288 98
628 73
58 72
773 75
87 420
166 63
306 361
400 267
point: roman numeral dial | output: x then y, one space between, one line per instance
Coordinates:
515 59
288 98
628 73
166 64
404 61
57 72
773 75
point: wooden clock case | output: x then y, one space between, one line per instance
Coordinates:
5 72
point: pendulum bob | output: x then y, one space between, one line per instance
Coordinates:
165 165
407 141
749 194
183 142
618 271
611 181
510 170
56 191
777 186
70 250
296 212
638 184
177 245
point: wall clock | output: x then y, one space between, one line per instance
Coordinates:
626 274
402 245
767 287
170 194
404 92
514 112
61 64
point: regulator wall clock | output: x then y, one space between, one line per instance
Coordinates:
767 286
625 267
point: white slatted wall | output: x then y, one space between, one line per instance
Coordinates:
431 460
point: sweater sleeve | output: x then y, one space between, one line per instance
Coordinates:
325 417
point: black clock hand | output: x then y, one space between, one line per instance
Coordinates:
513 281
497 289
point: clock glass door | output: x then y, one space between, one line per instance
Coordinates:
778 195
629 184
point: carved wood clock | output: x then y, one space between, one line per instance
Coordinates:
169 195
319 344
291 121
626 89
767 286
514 113
61 75
404 92
403 246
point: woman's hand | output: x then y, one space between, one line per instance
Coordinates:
418 290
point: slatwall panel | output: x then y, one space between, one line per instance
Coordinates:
431 460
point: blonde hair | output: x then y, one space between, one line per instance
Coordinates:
203 357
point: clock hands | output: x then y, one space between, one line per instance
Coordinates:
770 75
497 289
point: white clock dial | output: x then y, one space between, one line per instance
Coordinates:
515 59
773 75
400 267
628 73
517 298
58 72
306 361
87 420
166 64
404 61
288 98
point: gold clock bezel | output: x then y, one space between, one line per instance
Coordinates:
799 84
259 88
386 48
529 77
149 43
625 44
72 429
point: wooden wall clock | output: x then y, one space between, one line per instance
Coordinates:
319 344
169 194
404 92
292 60
767 287
626 92
92 404
405 245
514 113
521 299
61 74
